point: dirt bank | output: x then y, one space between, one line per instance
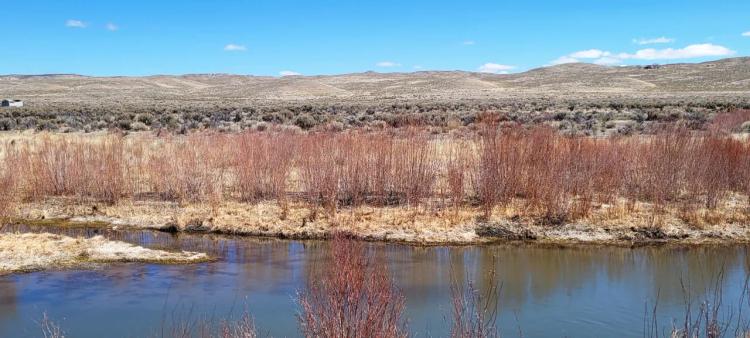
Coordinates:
422 226
32 252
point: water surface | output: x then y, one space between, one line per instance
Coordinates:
587 291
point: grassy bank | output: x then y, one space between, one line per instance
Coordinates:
32 252
407 185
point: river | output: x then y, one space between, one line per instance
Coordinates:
546 291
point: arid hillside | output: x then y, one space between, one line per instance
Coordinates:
689 92
729 75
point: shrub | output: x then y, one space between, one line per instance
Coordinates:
355 297
305 121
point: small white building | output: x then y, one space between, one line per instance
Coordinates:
11 103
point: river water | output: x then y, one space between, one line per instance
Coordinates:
582 291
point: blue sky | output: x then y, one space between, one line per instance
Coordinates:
331 37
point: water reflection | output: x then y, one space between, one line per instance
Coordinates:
578 291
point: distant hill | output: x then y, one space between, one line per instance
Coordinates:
728 76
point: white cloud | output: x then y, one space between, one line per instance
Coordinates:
662 39
388 64
469 42
608 58
564 59
689 52
418 67
288 73
589 54
111 27
234 48
75 24
608 61
746 34
495 68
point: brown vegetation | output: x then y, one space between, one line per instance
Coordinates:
354 297
535 174
474 312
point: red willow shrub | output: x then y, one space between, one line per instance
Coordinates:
731 121
73 167
187 168
414 168
553 178
475 310
459 160
319 171
354 297
262 166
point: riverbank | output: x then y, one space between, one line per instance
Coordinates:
33 252
607 224
499 184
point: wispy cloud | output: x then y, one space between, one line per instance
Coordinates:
288 73
563 60
111 27
75 24
469 42
608 61
649 54
388 64
589 54
746 34
653 41
495 68
234 48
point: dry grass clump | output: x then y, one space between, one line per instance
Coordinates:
30 252
354 297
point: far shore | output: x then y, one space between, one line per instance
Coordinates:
615 225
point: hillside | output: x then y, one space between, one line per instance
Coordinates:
729 75
570 92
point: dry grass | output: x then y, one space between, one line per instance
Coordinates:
30 252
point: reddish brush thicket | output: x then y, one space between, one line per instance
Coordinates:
554 178
731 121
559 177
262 166
70 167
187 169
354 297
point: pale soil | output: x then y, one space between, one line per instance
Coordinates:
425 226
32 252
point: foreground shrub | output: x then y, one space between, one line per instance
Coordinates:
354 297
475 311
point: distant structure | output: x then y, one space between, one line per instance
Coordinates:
654 66
11 103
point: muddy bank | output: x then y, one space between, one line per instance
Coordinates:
33 252
417 226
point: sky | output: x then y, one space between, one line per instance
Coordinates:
284 37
